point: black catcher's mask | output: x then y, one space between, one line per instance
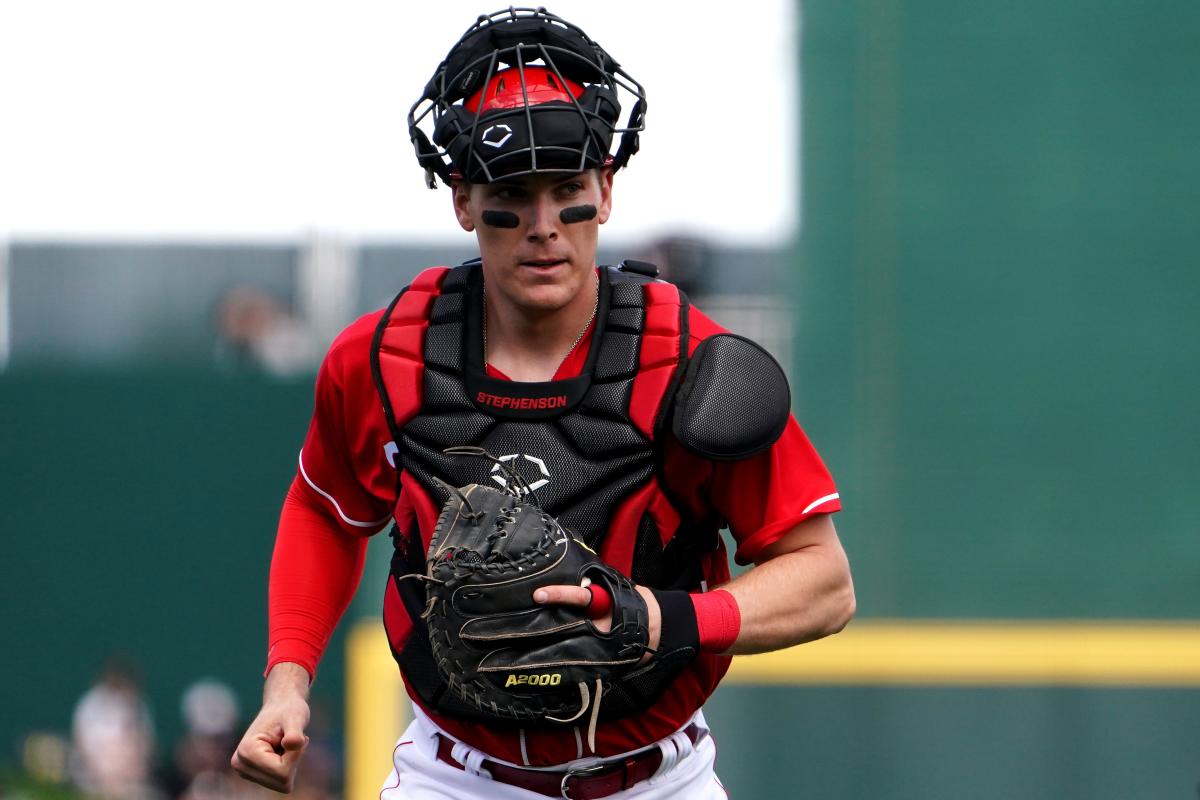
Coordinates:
523 92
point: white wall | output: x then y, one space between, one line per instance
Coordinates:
263 118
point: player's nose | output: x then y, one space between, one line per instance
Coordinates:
543 222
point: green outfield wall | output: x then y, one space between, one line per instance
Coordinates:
996 283
997 287
139 513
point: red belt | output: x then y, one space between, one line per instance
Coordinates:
586 783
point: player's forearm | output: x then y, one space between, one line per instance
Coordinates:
795 597
315 571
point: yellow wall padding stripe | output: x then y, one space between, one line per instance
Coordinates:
987 653
900 652
377 709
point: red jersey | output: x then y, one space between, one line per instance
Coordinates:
348 470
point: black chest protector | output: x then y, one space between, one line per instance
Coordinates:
573 440
585 445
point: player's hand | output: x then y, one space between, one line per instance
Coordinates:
581 596
269 753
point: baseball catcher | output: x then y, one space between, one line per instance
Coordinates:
556 446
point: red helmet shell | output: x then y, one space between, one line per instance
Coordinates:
504 90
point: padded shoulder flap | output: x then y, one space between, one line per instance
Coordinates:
734 400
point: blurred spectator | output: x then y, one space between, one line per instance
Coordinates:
256 331
43 773
684 261
320 773
114 737
201 764
44 757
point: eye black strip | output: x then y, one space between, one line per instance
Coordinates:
504 219
577 214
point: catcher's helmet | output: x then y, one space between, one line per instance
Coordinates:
523 92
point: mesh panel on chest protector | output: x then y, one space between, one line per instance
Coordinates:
593 454
443 346
445 393
581 496
628 320
595 435
430 430
608 400
647 553
619 358
734 401
447 308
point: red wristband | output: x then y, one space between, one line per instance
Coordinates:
600 604
718 620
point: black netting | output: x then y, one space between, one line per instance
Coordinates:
466 427
734 401
445 393
609 400
421 672
443 346
456 279
618 356
647 553
640 691
627 320
581 490
626 293
447 307
596 436
571 472
589 512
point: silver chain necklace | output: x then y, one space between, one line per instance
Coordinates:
574 344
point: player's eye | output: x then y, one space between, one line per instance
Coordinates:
507 193
570 189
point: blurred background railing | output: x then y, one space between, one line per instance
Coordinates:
276 306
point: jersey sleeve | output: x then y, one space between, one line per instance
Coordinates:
315 570
762 497
339 461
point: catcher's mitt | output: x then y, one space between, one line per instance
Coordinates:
499 651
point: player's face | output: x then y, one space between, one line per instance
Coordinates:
537 256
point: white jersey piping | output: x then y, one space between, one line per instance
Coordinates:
336 507
819 501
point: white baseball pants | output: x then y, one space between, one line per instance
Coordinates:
417 773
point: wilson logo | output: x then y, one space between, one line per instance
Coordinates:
547 679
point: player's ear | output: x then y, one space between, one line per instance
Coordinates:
604 208
460 195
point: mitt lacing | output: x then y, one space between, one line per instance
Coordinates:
516 485
586 699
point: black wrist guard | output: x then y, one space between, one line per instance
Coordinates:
679 636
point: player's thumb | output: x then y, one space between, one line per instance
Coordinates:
293 735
